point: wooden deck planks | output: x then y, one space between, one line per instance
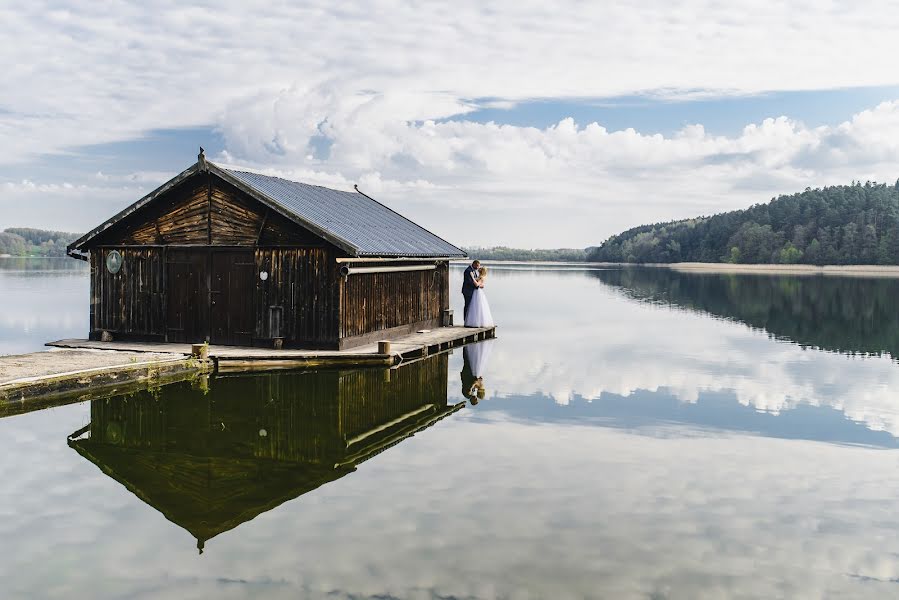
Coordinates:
407 347
80 372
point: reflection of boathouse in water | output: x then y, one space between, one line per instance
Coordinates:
211 461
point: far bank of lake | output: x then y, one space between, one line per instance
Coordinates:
725 268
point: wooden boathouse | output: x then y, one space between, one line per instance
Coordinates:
238 258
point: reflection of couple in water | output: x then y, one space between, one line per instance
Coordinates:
474 363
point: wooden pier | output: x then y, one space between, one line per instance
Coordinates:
239 358
77 370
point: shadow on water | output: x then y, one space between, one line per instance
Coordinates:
850 315
211 457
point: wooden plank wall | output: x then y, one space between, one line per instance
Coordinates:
195 208
131 301
180 220
302 286
373 302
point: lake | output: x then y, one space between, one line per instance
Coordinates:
641 434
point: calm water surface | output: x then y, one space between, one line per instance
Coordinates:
643 434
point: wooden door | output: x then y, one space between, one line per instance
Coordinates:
187 290
232 284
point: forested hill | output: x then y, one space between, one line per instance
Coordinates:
520 254
839 225
22 241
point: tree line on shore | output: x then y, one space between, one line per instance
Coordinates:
25 241
548 255
837 225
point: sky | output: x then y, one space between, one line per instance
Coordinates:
526 124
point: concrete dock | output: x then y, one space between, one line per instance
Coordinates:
76 370
42 379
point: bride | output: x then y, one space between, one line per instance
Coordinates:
479 310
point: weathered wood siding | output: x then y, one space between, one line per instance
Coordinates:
238 220
173 285
298 301
132 301
373 302
187 294
202 212
178 219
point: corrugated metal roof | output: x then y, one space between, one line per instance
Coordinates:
363 224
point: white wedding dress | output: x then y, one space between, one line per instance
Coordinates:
479 310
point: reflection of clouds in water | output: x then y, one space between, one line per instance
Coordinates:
486 510
570 336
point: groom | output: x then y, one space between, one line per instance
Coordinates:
468 284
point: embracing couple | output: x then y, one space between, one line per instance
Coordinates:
477 311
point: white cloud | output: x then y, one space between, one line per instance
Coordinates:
516 180
66 206
358 94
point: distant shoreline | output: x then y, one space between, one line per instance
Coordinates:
727 268
687 267
775 269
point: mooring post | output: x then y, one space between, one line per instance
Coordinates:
384 347
199 351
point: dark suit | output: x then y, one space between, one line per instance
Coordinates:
468 287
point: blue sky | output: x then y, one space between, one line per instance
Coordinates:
719 115
516 125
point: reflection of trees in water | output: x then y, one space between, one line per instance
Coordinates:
843 314
210 460
40 266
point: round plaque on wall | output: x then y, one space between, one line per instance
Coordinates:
114 261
